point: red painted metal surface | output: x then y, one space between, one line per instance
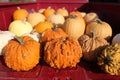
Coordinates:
84 70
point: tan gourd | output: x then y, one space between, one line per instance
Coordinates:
34 18
91 46
74 26
101 28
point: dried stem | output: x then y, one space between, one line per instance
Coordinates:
19 40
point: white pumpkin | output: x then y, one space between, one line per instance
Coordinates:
56 19
116 39
63 11
5 36
35 17
90 17
19 27
34 35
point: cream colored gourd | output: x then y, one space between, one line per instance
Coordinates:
19 27
90 17
41 10
83 14
116 39
63 11
56 19
74 26
5 36
35 17
102 29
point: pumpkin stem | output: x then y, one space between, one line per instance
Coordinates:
98 20
18 8
49 7
41 11
24 20
34 30
32 10
55 27
93 34
42 34
63 8
63 39
73 16
75 9
19 40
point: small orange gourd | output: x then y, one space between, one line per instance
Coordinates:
20 14
47 12
22 53
42 26
77 13
52 33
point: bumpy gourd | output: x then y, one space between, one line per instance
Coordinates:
109 59
62 53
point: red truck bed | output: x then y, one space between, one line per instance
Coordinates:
109 12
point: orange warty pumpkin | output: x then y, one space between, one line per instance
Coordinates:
62 53
20 14
50 34
22 54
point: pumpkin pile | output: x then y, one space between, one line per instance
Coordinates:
61 38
